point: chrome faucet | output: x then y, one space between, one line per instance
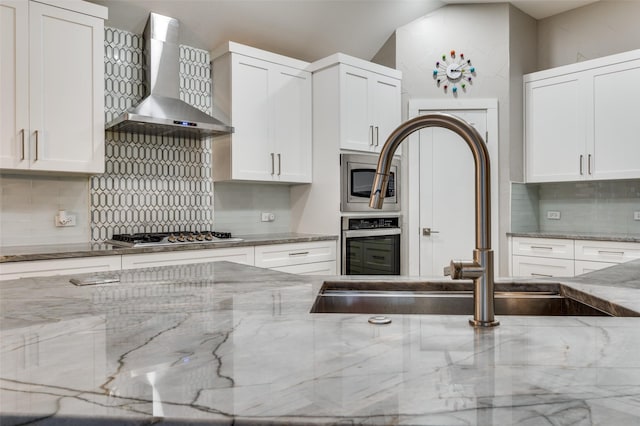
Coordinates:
480 269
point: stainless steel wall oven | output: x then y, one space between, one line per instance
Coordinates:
356 180
371 245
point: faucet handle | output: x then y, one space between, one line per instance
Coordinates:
463 269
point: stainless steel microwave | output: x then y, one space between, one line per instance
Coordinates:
356 179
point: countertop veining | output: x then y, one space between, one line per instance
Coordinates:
63 251
223 343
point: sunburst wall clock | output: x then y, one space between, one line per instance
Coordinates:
454 72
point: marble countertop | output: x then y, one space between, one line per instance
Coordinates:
596 236
61 251
223 343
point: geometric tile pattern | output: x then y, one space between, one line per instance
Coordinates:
151 183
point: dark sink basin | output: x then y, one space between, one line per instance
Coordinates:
456 299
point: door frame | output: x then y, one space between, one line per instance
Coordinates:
412 181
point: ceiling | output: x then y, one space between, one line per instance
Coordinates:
304 29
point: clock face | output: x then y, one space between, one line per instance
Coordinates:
454 72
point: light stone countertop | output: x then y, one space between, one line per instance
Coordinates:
63 251
223 343
595 236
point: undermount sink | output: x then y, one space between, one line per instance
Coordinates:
456 298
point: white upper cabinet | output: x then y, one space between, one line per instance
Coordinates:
52 99
268 100
367 96
581 122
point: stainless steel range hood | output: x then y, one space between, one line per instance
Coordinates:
162 112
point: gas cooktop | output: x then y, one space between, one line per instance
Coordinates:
168 238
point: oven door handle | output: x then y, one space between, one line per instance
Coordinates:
354 233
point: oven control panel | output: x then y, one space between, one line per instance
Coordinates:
371 222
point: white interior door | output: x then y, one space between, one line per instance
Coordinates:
447 200
439 179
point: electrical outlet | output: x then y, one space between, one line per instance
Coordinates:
636 215
267 217
64 219
553 214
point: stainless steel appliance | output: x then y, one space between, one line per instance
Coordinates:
168 238
162 112
358 172
371 245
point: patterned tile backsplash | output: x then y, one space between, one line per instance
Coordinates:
598 206
151 183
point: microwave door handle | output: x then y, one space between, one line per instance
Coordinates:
355 233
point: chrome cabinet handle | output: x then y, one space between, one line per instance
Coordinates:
533 274
371 135
299 253
541 248
589 164
428 231
37 143
377 134
22 134
619 253
581 157
273 167
279 164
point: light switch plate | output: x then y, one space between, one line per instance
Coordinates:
636 215
553 214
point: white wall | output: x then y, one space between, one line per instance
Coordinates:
599 29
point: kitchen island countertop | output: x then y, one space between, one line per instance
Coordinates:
65 251
223 343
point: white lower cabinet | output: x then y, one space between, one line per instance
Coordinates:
145 260
306 258
529 266
310 258
42 268
550 257
584 266
318 268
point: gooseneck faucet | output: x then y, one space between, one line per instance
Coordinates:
480 269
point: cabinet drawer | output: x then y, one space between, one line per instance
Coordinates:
318 268
584 266
147 260
543 247
41 268
271 256
606 251
529 266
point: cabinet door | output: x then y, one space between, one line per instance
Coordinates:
277 255
525 266
555 129
66 90
584 267
242 255
356 126
43 268
385 108
607 251
14 84
319 268
616 128
252 152
292 124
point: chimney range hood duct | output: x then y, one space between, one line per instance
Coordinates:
162 112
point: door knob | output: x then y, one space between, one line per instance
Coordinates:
428 231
